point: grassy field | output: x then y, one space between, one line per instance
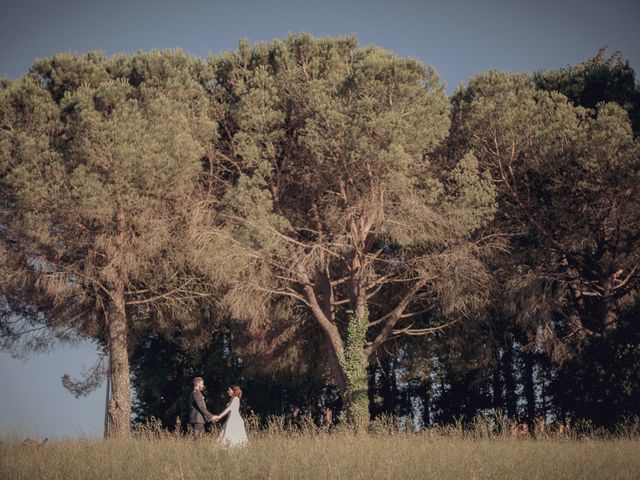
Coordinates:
322 456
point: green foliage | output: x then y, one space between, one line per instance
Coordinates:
472 195
596 80
563 174
562 154
354 365
83 143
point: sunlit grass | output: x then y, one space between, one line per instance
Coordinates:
273 454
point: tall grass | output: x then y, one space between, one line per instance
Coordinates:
480 451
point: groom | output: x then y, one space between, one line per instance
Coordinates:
198 413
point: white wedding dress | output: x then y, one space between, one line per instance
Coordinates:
233 433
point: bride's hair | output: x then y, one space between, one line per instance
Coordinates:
237 391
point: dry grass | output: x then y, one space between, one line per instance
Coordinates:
276 454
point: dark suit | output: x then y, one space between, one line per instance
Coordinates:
198 413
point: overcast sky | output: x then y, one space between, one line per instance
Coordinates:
458 38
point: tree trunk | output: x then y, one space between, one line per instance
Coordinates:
511 398
373 390
389 388
355 361
498 397
347 359
610 314
337 372
528 383
426 404
120 403
355 368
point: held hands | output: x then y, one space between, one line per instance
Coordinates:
215 418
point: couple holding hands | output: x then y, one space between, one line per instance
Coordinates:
233 433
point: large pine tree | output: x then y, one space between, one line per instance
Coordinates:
100 160
332 201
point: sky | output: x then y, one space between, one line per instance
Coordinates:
459 38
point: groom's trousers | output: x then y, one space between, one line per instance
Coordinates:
198 429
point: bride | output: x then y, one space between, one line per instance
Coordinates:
233 432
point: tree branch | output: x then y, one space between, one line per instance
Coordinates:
423 331
391 318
